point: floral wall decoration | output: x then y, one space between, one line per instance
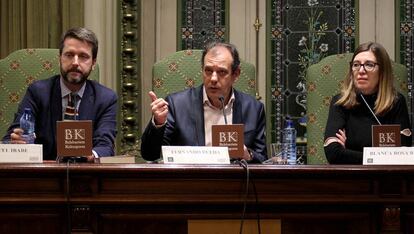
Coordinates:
313 48
302 33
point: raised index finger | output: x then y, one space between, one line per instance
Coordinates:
152 95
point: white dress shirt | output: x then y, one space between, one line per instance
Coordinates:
214 115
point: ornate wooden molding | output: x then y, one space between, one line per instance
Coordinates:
391 219
129 82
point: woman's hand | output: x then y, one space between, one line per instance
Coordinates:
341 136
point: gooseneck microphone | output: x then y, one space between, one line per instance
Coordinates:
372 112
403 132
221 98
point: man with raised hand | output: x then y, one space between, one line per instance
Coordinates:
186 117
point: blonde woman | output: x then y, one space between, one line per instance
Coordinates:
367 87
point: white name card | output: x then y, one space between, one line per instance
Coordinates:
388 156
195 154
21 153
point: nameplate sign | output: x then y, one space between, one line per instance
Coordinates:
21 153
195 155
74 138
388 156
386 135
231 136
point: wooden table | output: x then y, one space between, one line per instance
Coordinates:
158 198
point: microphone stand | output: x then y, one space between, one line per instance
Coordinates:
372 112
221 98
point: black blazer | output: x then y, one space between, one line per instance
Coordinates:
185 124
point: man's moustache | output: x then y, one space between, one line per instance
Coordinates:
74 70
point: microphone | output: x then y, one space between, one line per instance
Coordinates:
403 132
372 112
234 161
221 98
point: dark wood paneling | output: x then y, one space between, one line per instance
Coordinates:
158 198
32 219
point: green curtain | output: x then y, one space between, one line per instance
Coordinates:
36 23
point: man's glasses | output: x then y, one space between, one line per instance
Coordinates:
368 66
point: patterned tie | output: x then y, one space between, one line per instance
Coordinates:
71 113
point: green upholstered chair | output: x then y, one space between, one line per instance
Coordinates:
324 81
182 70
18 70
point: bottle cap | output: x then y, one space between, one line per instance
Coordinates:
27 110
289 123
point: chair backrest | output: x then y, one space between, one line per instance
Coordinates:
324 80
182 70
18 70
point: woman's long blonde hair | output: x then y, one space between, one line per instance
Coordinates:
386 90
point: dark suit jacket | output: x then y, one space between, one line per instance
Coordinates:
98 104
185 124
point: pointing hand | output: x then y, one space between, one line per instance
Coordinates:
159 108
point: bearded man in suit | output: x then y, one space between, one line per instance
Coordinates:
48 98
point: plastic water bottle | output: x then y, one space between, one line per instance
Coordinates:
27 123
289 141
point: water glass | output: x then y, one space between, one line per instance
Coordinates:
301 154
276 153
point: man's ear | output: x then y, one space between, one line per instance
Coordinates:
93 64
236 74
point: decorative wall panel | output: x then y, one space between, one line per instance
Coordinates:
406 50
129 131
201 21
302 33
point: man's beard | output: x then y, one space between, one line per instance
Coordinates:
80 80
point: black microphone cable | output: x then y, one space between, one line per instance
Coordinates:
68 206
243 163
69 161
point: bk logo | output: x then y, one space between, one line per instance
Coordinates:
75 134
228 137
387 138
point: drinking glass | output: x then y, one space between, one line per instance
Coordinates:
276 153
